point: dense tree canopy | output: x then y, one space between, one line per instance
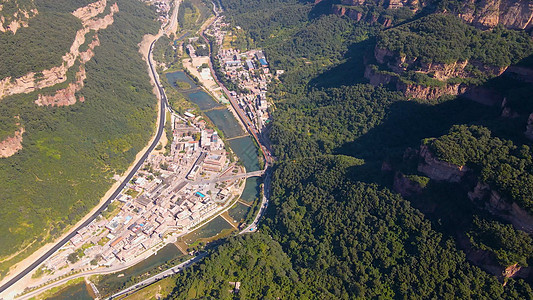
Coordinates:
498 162
441 38
70 153
345 234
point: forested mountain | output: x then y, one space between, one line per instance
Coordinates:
379 193
73 113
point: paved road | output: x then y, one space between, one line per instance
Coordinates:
130 175
264 204
159 276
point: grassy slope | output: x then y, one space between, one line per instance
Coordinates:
70 153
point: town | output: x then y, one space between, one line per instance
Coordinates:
187 182
177 189
248 71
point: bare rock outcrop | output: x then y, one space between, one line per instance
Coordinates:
412 90
11 144
405 186
66 96
440 71
354 9
514 14
419 91
498 205
439 170
23 12
90 11
47 78
521 73
400 64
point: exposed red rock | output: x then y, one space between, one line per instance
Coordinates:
29 82
12 144
515 14
405 186
66 96
499 206
439 170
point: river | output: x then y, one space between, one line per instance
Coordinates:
240 142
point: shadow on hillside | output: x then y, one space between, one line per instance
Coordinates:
408 122
350 72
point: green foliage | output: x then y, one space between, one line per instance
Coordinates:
256 261
421 180
440 38
501 164
356 110
71 153
187 15
73 257
39 46
509 245
363 241
64 6
345 238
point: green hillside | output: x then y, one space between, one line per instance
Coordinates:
341 143
70 153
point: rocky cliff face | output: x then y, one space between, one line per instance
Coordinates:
365 10
12 144
439 170
412 90
12 21
32 81
67 96
400 64
413 5
515 14
498 205
406 187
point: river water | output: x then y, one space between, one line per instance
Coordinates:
78 291
241 143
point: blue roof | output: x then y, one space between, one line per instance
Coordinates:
263 62
200 194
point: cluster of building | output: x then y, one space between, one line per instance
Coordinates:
249 71
162 8
173 192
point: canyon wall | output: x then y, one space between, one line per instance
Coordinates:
16 16
47 78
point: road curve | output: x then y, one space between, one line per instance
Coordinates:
162 112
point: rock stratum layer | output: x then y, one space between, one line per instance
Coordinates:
513 14
12 144
47 78
23 12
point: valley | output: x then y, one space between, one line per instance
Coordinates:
304 150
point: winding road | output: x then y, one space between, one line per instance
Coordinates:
159 133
